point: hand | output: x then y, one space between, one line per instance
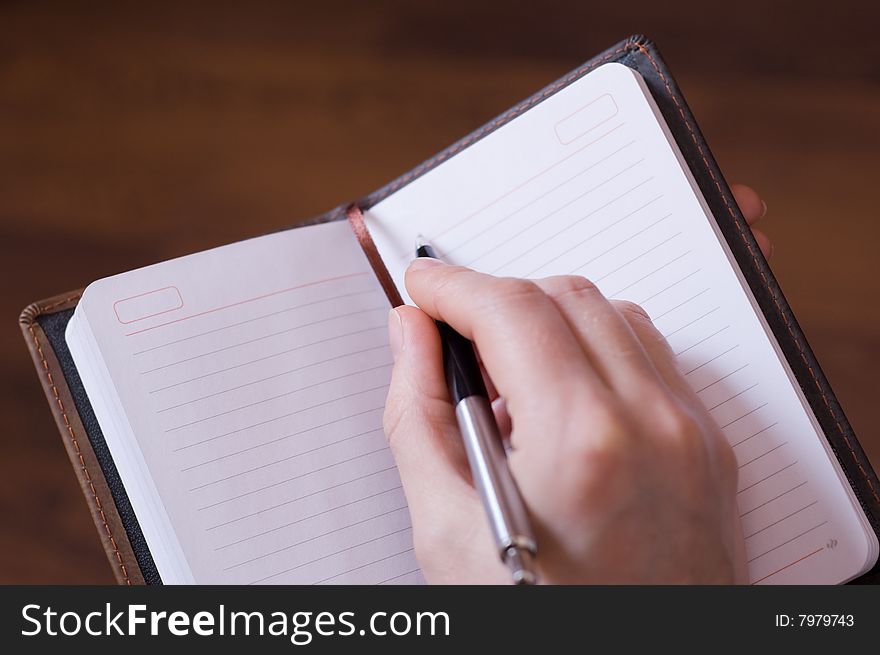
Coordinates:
753 209
626 477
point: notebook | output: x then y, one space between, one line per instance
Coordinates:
240 390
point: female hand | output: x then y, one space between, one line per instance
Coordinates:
626 476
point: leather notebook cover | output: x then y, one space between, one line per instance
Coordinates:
43 324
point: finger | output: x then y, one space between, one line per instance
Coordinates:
523 340
750 203
450 531
419 419
605 336
487 380
502 419
764 242
664 361
657 348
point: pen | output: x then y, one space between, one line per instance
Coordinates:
502 501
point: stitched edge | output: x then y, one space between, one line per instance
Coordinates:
29 314
72 432
764 279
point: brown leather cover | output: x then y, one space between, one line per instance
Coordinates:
76 441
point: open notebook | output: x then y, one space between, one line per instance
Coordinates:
241 389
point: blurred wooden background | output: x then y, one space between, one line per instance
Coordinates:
134 133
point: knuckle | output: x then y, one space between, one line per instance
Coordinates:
415 413
727 462
447 287
602 448
516 290
571 285
631 311
599 463
678 426
392 419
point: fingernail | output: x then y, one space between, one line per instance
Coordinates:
763 208
395 333
421 263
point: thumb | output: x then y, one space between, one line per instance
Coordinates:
420 420
450 532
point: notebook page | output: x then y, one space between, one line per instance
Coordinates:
249 385
587 182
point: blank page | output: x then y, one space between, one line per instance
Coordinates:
589 182
240 391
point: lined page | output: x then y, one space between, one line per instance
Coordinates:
252 378
589 183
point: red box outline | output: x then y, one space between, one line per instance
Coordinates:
147 293
580 109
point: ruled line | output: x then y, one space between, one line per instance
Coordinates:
697 319
748 413
595 257
778 521
764 479
592 236
647 275
668 287
788 566
797 536
306 518
286 459
755 434
257 318
267 443
634 259
764 454
261 338
681 304
249 300
448 252
314 538
703 340
767 502
292 479
408 254
709 361
270 377
569 203
386 580
288 415
323 557
580 221
299 498
276 397
284 352
723 377
363 566
736 395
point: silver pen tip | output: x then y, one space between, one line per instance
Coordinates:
421 241
521 564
